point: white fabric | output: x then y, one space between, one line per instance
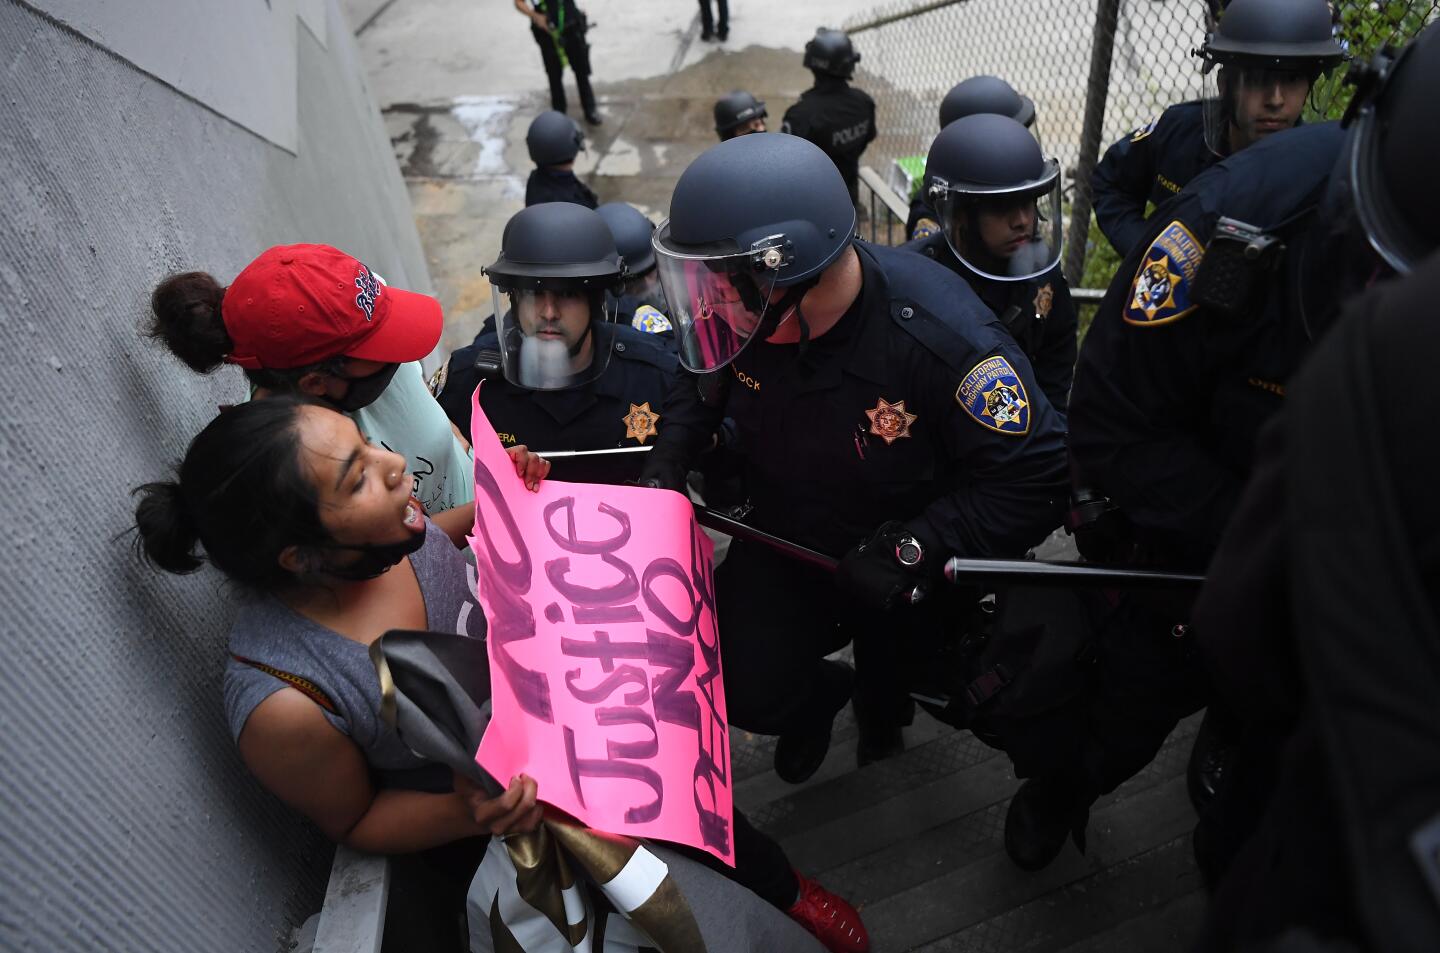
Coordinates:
409 421
636 882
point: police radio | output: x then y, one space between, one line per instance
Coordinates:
1237 262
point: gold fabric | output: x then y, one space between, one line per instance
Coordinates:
542 862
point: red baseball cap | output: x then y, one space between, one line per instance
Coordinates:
302 304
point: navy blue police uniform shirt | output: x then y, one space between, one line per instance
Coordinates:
1151 164
923 220
554 185
1169 395
838 118
1039 314
623 407
916 406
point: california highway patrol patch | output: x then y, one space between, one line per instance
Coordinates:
1160 291
924 228
650 319
1145 130
640 422
994 395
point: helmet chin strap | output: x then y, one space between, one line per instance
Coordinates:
791 302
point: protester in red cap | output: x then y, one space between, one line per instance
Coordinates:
312 320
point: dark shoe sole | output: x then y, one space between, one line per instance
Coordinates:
795 766
1038 854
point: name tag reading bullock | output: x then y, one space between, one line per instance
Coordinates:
605 666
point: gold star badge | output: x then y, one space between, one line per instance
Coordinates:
1004 405
889 421
1044 300
1155 288
640 422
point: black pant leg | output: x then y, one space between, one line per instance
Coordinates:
777 624
724 22
760 865
885 643
577 51
554 72
1146 680
707 19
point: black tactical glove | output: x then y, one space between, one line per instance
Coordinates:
1102 533
889 569
662 474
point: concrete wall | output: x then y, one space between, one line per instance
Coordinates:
126 819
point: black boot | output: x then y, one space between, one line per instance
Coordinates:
1209 761
801 750
879 728
587 99
1042 815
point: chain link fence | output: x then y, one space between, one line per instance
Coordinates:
1096 69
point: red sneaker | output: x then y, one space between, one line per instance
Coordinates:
834 922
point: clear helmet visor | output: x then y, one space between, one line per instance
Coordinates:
1375 205
1245 103
1006 235
553 338
719 297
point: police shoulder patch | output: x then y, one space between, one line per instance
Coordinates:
1160 292
925 228
994 396
1144 130
650 319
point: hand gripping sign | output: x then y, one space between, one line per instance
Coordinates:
605 667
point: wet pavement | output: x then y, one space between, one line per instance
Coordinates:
459 81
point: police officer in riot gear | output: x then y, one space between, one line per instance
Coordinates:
559 28
559 371
978 94
641 298
880 414
738 114
998 201
1259 65
553 141
1189 355
833 114
1317 622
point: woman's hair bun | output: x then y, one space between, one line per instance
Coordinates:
167 536
185 314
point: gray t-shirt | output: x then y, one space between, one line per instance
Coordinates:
268 631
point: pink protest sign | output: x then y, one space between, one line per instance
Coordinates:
604 663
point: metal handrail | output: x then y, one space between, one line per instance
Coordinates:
889 207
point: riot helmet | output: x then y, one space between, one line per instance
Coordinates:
736 114
1395 149
830 52
554 139
1260 64
632 231
754 222
997 197
552 314
986 94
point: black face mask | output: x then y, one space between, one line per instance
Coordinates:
374 559
364 391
